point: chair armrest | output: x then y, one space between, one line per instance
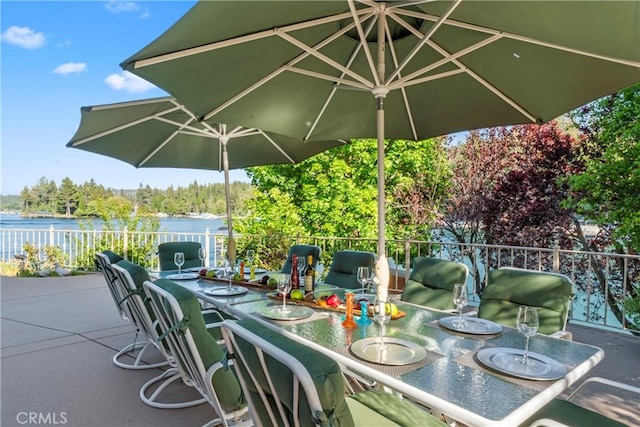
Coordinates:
605 381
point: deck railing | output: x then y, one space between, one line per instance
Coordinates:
601 280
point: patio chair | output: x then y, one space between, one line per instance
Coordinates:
431 282
167 250
560 412
508 288
302 251
343 271
197 355
131 278
288 383
105 262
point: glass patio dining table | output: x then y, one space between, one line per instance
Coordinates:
448 376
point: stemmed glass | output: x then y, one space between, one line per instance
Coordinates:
250 256
228 270
382 317
202 255
527 324
460 299
178 259
364 275
284 286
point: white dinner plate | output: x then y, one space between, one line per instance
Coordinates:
509 361
193 269
294 312
471 325
183 276
395 351
226 291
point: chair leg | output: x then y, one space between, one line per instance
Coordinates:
137 363
166 378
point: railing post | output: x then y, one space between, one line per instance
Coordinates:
51 235
125 242
556 257
407 259
207 246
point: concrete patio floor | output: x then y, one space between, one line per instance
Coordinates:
58 336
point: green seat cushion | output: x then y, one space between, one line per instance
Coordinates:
168 249
113 257
431 282
224 382
344 268
507 289
377 408
138 273
324 371
572 415
302 251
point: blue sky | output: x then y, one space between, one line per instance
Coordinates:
57 56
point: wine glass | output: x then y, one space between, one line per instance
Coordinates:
178 259
460 299
228 270
363 278
527 324
250 256
284 286
382 316
202 255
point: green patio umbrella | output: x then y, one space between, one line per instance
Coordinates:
162 133
341 69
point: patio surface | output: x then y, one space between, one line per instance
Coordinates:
58 336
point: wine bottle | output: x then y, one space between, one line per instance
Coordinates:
295 279
309 275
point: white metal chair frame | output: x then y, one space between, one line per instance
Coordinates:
124 311
135 300
301 377
187 358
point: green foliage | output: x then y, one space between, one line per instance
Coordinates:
335 193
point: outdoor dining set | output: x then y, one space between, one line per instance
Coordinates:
417 358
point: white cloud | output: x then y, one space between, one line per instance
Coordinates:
24 37
118 6
70 67
129 82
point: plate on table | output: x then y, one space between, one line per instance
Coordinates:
509 361
183 276
294 312
193 269
471 325
227 291
396 351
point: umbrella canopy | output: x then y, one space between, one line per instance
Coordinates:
321 70
162 133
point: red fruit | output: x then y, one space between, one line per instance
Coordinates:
333 301
203 272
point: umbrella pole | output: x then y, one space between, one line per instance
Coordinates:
380 92
231 250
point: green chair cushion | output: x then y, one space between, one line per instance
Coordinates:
381 406
325 372
113 257
168 249
224 381
138 273
431 282
507 289
344 268
302 251
571 414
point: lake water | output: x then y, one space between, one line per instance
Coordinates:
177 225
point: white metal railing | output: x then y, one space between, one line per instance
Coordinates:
601 280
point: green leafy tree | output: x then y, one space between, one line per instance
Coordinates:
67 197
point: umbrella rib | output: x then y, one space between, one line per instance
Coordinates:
424 40
121 127
363 38
324 58
163 143
332 79
521 38
275 73
352 58
238 40
483 82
